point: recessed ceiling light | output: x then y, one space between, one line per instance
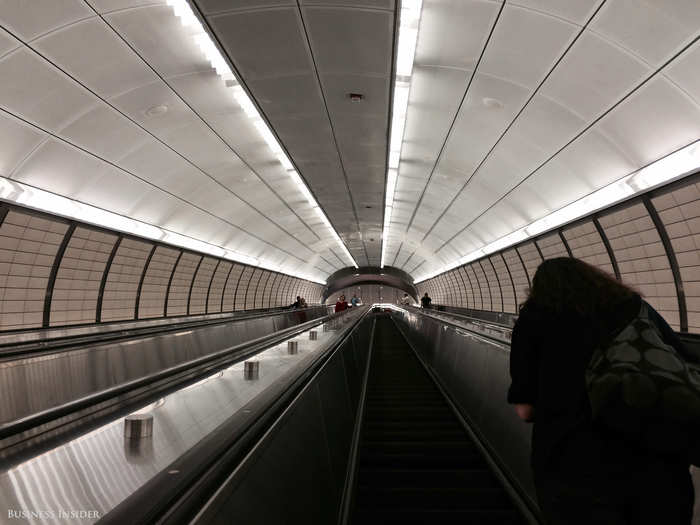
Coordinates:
356 97
157 110
492 103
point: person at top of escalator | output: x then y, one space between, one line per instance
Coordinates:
406 300
297 303
341 304
585 471
354 301
425 301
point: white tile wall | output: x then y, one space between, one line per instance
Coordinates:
476 285
586 244
641 258
469 301
217 286
277 291
180 284
230 287
551 246
519 276
484 285
679 210
28 246
200 286
249 291
531 258
119 300
505 283
242 287
266 301
155 282
260 288
77 286
494 285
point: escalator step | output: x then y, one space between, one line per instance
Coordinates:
416 464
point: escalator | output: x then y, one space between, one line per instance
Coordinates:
415 462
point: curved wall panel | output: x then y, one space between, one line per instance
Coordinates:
216 287
119 302
651 242
57 272
77 287
155 282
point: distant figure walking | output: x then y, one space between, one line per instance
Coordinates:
595 467
425 301
354 301
341 304
406 300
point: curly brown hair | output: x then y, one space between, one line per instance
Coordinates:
565 284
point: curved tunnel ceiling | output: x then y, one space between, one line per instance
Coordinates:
350 277
515 110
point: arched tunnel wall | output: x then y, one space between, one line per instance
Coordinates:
368 294
651 242
57 272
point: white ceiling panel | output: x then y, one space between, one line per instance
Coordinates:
525 46
106 133
684 72
652 29
29 20
653 122
575 11
17 140
7 42
106 6
107 66
209 7
35 91
593 76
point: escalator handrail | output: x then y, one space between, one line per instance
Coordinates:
26 423
210 456
74 342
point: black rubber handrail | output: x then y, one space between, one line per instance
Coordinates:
31 421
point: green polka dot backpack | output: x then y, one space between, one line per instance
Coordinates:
643 388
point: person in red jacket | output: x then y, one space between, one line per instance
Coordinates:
341 304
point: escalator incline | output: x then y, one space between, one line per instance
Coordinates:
416 463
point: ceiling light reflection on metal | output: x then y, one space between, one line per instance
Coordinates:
188 19
408 37
674 166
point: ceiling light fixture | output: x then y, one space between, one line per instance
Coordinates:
42 200
408 37
188 19
671 167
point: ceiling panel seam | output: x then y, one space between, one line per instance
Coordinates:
577 136
454 119
517 116
223 141
57 67
330 123
205 24
148 183
396 256
392 82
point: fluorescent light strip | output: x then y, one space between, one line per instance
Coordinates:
408 37
38 199
188 19
665 170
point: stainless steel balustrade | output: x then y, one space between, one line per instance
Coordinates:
102 470
473 369
35 384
